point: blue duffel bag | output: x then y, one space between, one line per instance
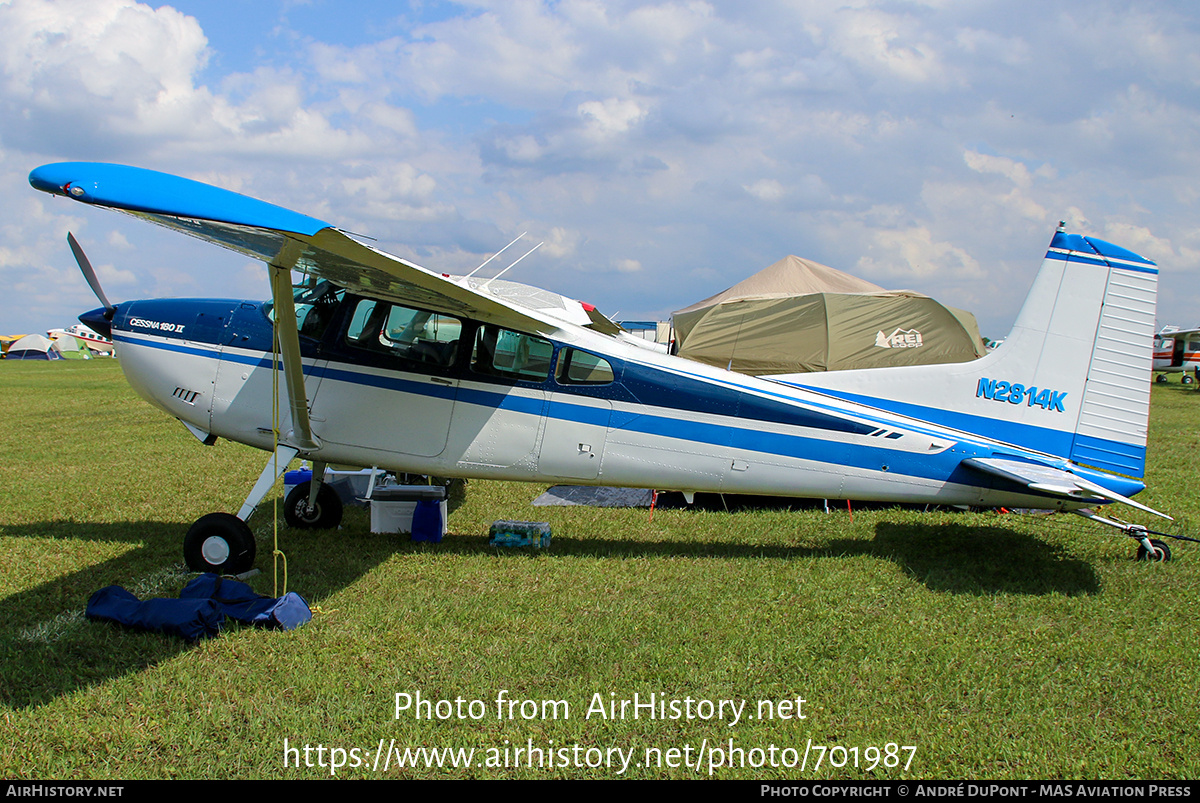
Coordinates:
192 619
240 602
201 609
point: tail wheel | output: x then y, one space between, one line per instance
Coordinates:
326 512
219 542
1162 552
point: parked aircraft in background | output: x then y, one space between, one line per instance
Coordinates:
6 341
385 363
1177 351
95 341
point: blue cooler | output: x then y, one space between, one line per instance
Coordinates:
293 478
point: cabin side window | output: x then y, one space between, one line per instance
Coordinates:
577 367
509 354
405 333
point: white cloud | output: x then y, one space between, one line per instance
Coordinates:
119 79
251 279
933 143
1014 171
890 46
392 192
522 148
1141 240
112 276
118 241
913 253
610 117
108 65
560 242
400 121
765 189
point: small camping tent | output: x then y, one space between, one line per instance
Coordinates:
798 315
72 348
33 347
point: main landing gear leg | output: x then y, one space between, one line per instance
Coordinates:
222 542
313 505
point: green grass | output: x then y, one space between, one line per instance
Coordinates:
1002 646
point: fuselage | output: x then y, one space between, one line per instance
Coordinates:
1173 354
420 392
94 341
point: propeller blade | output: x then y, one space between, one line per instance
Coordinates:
88 272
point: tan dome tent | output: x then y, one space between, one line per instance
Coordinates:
798 315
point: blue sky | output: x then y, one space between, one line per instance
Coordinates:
662 150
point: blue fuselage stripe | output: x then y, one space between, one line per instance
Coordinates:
650 420
1124 457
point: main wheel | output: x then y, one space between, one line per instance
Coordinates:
1161 379
219 542
1187 380
1162 552
325 515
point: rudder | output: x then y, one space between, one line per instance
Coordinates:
1112 427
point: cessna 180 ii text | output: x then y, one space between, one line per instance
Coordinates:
387 364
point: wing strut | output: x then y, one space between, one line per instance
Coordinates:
280 269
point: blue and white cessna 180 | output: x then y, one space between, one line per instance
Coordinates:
385 363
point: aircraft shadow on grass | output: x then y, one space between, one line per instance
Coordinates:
951 558
977 560
47 648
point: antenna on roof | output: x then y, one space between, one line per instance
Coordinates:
493 256
518 259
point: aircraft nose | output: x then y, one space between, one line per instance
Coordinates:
99 321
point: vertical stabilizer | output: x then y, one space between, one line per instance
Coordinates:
1072 379
1113 416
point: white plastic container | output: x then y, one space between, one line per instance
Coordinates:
392 506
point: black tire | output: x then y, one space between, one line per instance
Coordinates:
219 542
1161 379
1187 380
1162 552
325 515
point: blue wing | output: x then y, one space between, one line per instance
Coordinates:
263 231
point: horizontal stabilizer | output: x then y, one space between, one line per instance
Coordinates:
1050 480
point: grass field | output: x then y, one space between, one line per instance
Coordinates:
1000 646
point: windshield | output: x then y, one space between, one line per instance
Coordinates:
315 304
